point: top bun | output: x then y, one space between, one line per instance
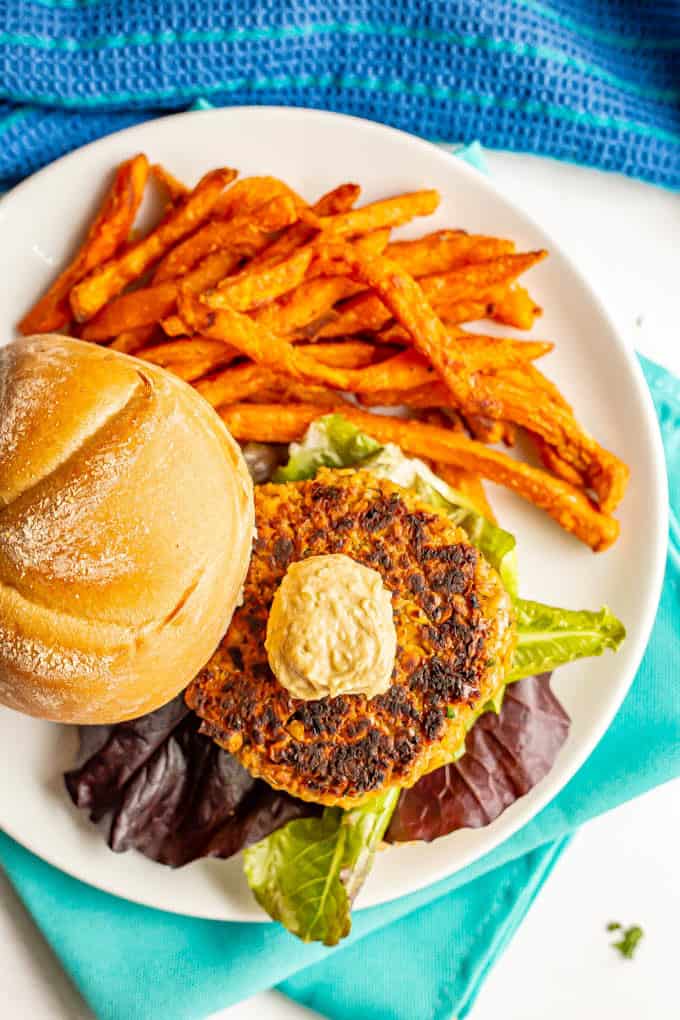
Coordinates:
126 521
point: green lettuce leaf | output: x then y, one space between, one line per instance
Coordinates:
331 441
548 637
307 874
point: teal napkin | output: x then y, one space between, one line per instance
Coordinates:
134 963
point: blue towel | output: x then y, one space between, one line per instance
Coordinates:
591 81
133 963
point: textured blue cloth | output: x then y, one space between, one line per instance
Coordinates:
422 957
592 81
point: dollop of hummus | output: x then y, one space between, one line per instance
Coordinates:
331 629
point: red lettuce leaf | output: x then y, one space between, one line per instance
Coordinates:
505 756
158 786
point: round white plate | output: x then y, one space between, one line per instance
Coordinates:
40 223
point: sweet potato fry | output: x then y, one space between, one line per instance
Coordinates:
406 302
189 359
133 339
468 485
92 293
242 234
563 502
468 283
254 287
173 326
489 352
173 187
249 193
446 250
237 383
349 354
340 199
389 212
466 311
602 472
553 462
485 430
298 313
108 231
151 304
516 308
250 382
403 371
431 395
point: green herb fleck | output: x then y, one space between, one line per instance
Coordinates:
613 926
629 941
450 712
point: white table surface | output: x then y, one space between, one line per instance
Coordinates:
623 866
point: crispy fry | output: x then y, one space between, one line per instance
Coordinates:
565 504
236 383
466 311
516 308
151 304
532 377
92 293
403 371
536 411
174 188
262 385
389 212
252 288
446 250
407 303
488 351
190 359
349 354
469 283
550 459
468 485
289 391
485 430
490 396
174 326
340 199
431 395
108 231
133 339
249 193
297 313
242 234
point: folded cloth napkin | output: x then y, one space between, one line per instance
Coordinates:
133 963
590 81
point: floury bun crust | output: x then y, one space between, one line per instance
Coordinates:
126 522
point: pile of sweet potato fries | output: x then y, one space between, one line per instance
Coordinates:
278 311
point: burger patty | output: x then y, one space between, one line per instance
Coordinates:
454 640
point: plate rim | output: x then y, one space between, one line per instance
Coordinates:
545 793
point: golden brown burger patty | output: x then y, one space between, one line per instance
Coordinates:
454 641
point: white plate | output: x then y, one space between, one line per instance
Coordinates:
41 221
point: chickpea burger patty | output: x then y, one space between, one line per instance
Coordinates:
455 636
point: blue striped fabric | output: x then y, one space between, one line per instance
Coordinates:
593 81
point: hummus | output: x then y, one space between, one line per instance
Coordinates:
331 630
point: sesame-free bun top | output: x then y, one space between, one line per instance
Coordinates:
126 520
